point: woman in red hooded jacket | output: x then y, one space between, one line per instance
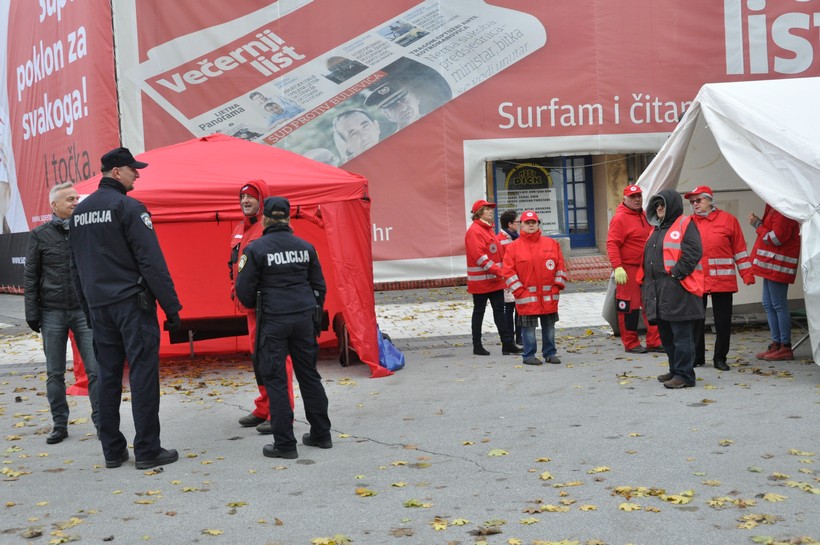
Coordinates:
775 258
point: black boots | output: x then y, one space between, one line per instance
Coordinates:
510 349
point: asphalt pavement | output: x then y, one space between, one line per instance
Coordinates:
454 448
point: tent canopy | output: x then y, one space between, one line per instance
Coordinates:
192 192
760 134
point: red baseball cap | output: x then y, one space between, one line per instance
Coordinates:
699 190
632 190
479 203
529 215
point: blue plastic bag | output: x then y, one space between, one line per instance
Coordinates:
390 357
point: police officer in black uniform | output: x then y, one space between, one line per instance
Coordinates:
280 275
121 272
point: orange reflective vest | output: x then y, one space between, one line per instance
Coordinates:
693 283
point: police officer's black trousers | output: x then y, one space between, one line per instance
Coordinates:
123 331
292 334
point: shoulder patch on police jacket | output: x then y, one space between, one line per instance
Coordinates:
146 219
242 261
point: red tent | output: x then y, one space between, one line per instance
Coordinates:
192 192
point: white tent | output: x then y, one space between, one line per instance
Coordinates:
762 134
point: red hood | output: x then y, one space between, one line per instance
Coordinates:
262 187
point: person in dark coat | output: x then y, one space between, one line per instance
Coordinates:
52 305
672 284
121 274
284 271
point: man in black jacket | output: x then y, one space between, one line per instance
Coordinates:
285 270
673 284
52 306
122 273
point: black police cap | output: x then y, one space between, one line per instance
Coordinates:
277 205
120 157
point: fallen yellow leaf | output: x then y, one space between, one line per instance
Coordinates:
549 508
677 499
416 503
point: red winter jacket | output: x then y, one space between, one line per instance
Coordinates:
484 257
504 239
534 269
723 248
628 231
776 254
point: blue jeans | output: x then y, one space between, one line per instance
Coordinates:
55 325
776 305
547 337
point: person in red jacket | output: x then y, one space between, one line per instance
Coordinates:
484 280
628 231
775 258
534 272
724 250
250 195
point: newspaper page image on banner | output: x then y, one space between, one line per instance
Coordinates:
258 81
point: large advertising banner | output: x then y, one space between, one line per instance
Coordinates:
416 95
58 109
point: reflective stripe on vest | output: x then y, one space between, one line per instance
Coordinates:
693 283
